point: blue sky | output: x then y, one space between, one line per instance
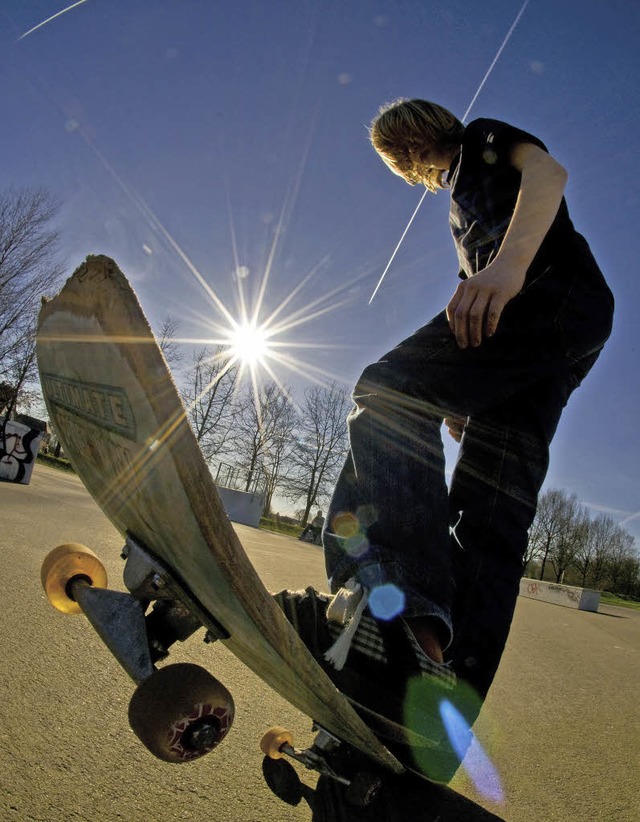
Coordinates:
214 137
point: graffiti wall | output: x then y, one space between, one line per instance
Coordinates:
18 448
567 595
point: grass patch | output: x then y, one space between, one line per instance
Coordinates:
288 528
56 462
615 599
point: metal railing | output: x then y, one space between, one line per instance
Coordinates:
238 478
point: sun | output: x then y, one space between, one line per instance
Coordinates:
249 344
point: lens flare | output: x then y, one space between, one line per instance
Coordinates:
445 717
386 601
470 752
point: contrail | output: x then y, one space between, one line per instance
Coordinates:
630 518
466 114
496 58
392 258
49 19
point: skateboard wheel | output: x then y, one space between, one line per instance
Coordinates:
363 790
283 780
181 712
64 564
273 740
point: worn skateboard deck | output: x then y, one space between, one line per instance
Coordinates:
116 410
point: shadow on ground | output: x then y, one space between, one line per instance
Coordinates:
400 798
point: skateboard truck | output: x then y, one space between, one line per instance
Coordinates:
119 620
179 712
138 641
177 613
361 788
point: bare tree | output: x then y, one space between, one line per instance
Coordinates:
554 515
532 551
622 561
628 581
321 446
276 460
597 551
265 427
570 538
29 268
592 556
21 370
166 337
209 396
28 249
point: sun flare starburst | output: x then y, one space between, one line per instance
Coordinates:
249 344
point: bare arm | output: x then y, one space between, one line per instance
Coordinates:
475 309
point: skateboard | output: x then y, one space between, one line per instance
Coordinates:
114 405
115 408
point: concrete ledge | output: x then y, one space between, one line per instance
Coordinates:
584 599
242 506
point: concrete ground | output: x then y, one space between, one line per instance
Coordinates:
560 726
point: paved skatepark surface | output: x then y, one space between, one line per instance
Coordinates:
560 725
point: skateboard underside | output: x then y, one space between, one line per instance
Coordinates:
115 408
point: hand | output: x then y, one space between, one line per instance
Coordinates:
475 309
455 426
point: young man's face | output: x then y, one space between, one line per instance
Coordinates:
419 165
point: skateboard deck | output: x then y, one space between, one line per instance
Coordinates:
115 407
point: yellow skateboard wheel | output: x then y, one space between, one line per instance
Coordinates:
273 741
61 566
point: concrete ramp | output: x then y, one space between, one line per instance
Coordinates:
584 599
242 506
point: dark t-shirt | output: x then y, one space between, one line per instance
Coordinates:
484 188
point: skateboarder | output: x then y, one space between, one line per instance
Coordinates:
428 576
314 527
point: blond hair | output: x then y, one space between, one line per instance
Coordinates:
403 127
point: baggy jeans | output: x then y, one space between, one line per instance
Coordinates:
456 553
